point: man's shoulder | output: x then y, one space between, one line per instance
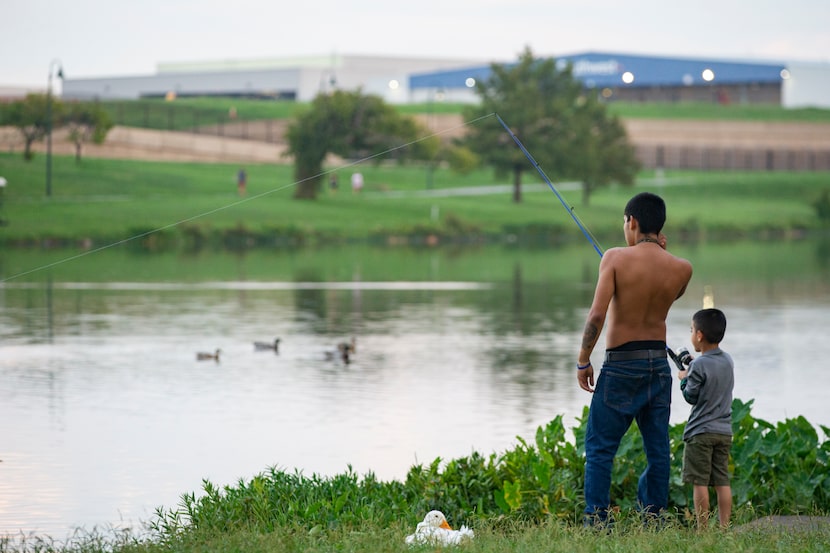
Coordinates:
624 252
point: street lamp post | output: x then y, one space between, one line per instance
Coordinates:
49 123
435 94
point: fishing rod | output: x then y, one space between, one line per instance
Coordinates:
568 208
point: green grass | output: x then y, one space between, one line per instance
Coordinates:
185 113
714 112
491 537
189 113
103 201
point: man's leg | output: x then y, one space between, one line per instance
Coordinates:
653 421
606 427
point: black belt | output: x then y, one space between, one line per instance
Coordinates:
635 354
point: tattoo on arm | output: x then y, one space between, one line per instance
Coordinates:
589 336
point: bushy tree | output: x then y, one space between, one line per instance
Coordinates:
32 118
351 125
600 152
86 121
568 131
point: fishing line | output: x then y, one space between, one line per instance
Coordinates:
239 202
568 208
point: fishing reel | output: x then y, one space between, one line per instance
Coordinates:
682 358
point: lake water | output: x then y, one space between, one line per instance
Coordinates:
106 414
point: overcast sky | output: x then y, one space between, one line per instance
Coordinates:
105 38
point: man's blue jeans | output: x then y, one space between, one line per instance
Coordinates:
629 390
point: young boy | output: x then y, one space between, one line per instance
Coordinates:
707 385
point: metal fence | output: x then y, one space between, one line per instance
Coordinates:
149 115
727 158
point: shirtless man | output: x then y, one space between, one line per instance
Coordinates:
636 287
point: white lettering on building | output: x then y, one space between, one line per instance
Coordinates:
582 68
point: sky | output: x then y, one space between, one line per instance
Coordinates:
112 38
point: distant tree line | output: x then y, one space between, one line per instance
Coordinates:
37 114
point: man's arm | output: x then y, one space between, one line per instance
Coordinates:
663 242
688 269
596 319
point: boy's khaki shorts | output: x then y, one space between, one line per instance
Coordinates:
706 460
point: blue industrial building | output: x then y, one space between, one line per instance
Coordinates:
634 78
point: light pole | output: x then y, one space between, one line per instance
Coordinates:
435 94
52 65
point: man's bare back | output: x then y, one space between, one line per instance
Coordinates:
647 281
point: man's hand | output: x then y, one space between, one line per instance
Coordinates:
585 377
661 239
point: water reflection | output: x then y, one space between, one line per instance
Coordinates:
106 414
823 252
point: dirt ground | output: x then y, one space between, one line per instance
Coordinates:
645 134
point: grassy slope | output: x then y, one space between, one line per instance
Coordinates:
156 113
109 200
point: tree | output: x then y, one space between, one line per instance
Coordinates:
569 133
600 150
351 125
87 121
31 117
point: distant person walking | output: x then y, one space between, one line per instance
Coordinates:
241 181
357 183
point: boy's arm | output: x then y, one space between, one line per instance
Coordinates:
690 384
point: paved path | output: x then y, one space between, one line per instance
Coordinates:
495 189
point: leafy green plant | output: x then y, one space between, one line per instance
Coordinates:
822 206
778 469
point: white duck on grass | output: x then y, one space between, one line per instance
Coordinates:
435 530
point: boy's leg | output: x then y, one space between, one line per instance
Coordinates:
720 477
701 496
724 504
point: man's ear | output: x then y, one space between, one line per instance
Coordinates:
632 223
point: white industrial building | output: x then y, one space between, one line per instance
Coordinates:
401 80
299 79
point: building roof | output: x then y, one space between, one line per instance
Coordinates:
604 69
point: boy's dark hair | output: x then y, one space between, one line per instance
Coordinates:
712 323
649 210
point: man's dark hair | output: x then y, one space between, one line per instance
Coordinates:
649 210
712 323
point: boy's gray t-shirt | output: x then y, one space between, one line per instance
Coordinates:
708 388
